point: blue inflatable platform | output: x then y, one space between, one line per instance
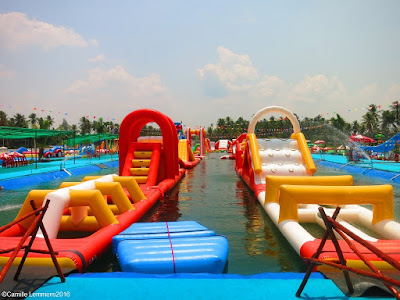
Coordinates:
172 247
161 230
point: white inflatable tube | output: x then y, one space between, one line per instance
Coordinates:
60 199
274 109
295 234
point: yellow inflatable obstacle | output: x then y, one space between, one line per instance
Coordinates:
99 207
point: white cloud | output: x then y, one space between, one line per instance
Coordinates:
231 68
17 30
6 73
119 79
94 42
317 87
234 85
98 58
237 74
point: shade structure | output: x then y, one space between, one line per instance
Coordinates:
319 142
361 139
24 133
90 138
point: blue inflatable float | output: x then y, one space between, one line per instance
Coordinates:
170 247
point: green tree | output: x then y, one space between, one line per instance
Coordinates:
355 126
3 118
43 124
33 120
84 126
370 121
388 122
99 126
338 123
396 110
50 121
64 125
18 121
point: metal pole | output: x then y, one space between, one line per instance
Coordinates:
31 152
74 146
36 152
99 146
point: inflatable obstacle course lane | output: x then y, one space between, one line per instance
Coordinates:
280 172
101 207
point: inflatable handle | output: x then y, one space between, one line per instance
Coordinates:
255 157
380 196
305 152
273 183
274 109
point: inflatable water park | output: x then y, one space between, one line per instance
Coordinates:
334 227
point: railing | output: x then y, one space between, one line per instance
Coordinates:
332 225
32 231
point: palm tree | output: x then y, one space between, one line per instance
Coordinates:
50 121
371 120
388 122
32 119
99 126
338 123
3 118
43 124
396 109
84 125
355 126
19 121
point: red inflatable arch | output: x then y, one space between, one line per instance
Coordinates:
130 131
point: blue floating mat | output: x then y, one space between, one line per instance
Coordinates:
159 230
176 255
170 247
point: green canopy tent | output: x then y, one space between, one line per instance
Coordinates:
14 133
90 138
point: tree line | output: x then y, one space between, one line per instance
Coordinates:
85 126
376 120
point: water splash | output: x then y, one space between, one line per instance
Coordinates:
344 140
10 207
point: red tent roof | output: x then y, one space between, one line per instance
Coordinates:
361 139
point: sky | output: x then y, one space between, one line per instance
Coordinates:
197 61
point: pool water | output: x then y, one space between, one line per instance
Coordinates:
213 195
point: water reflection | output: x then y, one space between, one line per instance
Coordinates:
166 210
263 237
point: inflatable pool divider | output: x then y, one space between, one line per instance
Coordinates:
354 169
170 247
